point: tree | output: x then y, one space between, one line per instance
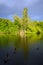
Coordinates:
18 23
25 18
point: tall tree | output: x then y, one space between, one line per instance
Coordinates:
25 18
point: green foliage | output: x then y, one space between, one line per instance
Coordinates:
20 24
25 18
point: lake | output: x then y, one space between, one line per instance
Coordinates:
15 50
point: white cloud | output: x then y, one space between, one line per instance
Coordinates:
8 7
12 3
30 2
9 3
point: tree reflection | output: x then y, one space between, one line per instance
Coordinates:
4 40
25 48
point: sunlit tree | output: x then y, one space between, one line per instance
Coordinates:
25 18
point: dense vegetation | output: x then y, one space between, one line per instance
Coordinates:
20 25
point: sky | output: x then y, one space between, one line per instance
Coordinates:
10 8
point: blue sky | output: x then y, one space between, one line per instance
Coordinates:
9 8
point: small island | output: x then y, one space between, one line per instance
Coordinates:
21 26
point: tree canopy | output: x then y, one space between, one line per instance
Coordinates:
25 24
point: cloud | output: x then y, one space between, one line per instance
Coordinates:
9 3
11 7
17 1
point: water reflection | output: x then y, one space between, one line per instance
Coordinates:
4 41
6 58
25 47
15 45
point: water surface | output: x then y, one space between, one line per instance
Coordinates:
15 50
